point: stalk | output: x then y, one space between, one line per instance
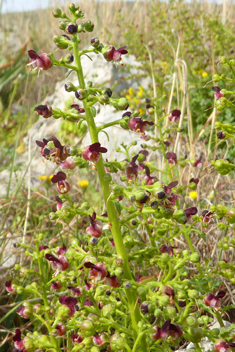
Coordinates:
112 215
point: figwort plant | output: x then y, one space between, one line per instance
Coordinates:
122 284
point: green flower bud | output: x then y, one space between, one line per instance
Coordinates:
119 104
164 257
230 216
180 216
215 332
164 301
87 342
107 178
158 313
88 26
57 13
193 294
221 103
62 25
44 342
216 78
194 334
117 342
221 210
195 257
87 328
108 310
190 321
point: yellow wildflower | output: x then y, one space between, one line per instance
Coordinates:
141 111
193 195
131 91
141 92
136 100
83 183
128 97
204 74
21 148
45 178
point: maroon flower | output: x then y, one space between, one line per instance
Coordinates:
171 197
56 285
132 169
92 152
223 346
18 342
62 185
59 264
167 329
41 248
100 339
68 164
212 300
96 227
138 125
190 211
24 312
175 115
10 287
40 62
59 202
194 180
150 180
76 338
112 281
198 162
97 272
70 302
57 154
77 107
206 216
76 291
111 54
169 249
61 250
61 329
44 110
171 158
217 91
221 135
72 28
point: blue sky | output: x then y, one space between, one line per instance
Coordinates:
26 5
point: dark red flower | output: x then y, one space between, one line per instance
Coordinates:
70 302
77 107
61 329
212 300
206 216
76 291
40 62
175 115
221 135
132 169
41 248
217 91
111 54
96 227
190 211
138 125
150 180
165 249
100 339
194 180
59 264
92 152
19 342
167 329
44 110
59 202
56 285
57 154
223 346
24 312
10 287
171 158
198 162
112 281
97 272
61 250
62 185
76 338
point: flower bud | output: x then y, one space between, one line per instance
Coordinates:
68 59
72 28
87 328
57 13
88 26
44 110
117 342
119 104
95 42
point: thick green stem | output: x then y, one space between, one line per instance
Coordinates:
218 316
112 215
